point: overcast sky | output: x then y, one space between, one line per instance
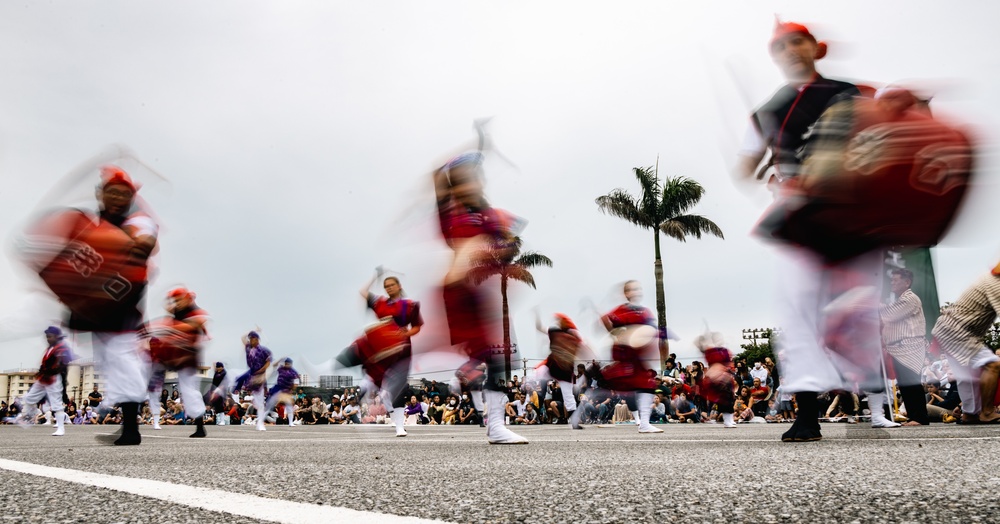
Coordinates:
297 139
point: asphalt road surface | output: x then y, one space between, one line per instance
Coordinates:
689 473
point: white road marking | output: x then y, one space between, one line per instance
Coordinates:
272 510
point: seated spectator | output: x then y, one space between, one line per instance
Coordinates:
622 414
317 412
113 417
743 413
588 411
414 411
605 410
759 395
209 416
941 404
435 410
658 415
555 413
450 413
686 410
352 411
530 416
90 416
515 408
336 415
467 412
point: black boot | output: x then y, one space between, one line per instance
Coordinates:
130 425
199 424
806 425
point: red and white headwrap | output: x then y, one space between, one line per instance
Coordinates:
112 175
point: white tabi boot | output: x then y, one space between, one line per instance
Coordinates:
644 401
60 417
496 431
875 404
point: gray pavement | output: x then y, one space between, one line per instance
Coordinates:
692 472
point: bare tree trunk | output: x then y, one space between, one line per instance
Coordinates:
506 329
661 305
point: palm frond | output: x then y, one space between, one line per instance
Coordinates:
531 259
521 274
481 273
650 197
619 203
679 195
683 226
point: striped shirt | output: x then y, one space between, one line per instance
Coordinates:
903 328
961 328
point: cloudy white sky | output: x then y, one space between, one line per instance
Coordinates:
297 139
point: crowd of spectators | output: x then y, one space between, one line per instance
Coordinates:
678 399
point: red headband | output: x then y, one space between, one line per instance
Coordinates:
111 175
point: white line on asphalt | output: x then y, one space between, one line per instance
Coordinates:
417 439
272 510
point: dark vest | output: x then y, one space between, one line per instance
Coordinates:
785 120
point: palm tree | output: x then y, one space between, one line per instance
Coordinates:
661 208
507 262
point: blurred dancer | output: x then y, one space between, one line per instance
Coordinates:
782 125
49 381
255 379
473 229
175 344
283 390
564 345
719 382
96 264
386 350
959 332
634 329
219 392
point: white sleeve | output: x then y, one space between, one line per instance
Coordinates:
753 144
144 225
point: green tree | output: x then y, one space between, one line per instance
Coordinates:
660 208
758 351
508 263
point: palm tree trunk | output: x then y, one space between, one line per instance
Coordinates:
506 330
661 305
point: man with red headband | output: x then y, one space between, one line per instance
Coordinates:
175 344
782 126
96 264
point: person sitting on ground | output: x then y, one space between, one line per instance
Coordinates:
515 408
759 394
622 414
659 410
352 411
686 410
467 412
318 411
449 415
336 415
941 404
530 416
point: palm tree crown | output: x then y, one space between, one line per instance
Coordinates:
661 208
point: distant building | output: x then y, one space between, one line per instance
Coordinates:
80 379
335 381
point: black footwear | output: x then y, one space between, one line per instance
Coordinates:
130 425
801 435
200 431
